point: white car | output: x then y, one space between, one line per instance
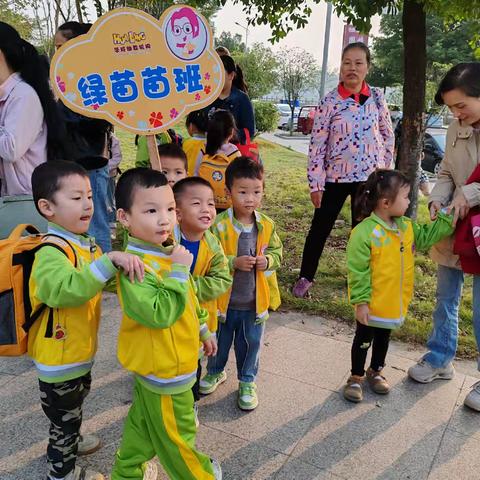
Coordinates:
285 116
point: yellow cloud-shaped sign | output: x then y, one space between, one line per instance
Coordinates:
140 73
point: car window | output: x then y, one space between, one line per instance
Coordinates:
441 140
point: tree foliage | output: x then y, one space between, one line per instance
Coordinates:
233 42
11 13
259 66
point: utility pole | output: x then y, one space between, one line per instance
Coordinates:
246 34
326 44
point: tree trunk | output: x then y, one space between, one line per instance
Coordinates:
415 64
78 6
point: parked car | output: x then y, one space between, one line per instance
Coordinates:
305 119
285 116
434 149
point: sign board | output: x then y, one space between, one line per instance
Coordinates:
352 35
140 73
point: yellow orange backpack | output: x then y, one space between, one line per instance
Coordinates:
17 254
212 168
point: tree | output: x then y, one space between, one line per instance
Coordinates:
447 44
259 66
10 12
233 43
282 17
298 71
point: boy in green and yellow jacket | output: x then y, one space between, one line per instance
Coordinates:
254 252
162 327
68 280
195 214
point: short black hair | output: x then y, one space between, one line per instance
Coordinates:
47 177
360 46
199 118
172 150
243 167
464 77
131 180
182 185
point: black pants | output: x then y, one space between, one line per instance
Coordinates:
364 337
323 221
196 385
62 403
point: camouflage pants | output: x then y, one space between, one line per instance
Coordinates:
62 404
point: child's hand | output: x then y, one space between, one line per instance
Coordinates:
262 263
245 263
210 346
362 312
182 256
132 265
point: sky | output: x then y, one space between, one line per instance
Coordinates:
310 38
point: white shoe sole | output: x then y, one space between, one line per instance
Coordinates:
438 376
208 391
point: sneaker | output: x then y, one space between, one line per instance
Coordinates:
353 389
210 382
82 473
300 289
247 396
88 444
195 412
217 469
472 400
150 472
378 383
423 372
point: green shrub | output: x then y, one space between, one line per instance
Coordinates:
266 116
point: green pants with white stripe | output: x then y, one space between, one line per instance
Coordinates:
161 425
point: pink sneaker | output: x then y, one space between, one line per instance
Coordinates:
301 288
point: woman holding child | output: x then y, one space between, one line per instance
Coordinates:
351 137
460 91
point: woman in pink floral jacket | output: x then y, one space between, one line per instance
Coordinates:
352 136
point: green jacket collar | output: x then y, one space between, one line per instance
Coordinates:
400 221
82 240
140 246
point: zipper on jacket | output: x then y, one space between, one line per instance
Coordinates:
93 248
402 252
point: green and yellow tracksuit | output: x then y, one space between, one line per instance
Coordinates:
192 146
227 229
380 260
211 275
63 340
161 329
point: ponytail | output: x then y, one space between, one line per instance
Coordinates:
23 58
239 81
382 183
221 126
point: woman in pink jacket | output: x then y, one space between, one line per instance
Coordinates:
352 136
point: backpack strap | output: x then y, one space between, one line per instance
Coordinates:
62 245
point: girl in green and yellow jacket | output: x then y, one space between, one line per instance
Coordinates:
380 259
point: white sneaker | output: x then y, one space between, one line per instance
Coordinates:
472 400
195 412
151 471
217 469
81 473
88 444
423 372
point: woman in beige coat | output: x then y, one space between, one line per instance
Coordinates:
460 91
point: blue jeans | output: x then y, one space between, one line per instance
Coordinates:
99 227
442 344
239 328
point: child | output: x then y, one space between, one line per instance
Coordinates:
197 125
380 259
159 337
211 274
63 340
253 250
218 153
174 162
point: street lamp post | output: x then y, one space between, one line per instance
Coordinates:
246 33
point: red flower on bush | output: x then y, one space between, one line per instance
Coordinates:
207 89
120 115
156 119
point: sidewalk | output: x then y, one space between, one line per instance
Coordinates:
303 428
296 143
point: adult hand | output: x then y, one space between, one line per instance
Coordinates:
132 265
459 206
362 313
316 198
245 263
435 207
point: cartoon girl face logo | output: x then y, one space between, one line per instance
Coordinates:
186 34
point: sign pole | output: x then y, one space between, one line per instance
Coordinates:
153 153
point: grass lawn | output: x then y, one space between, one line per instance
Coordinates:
287 201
